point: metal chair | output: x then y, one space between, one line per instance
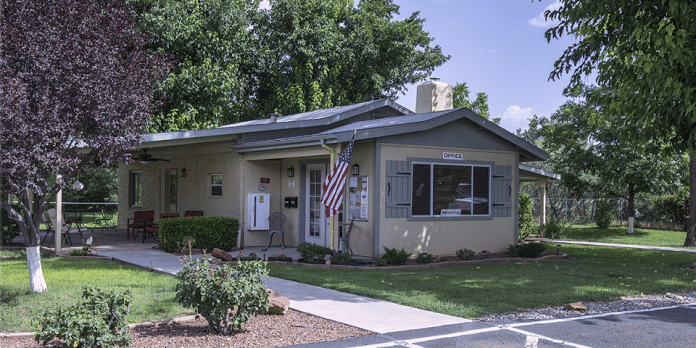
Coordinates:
106 222
140 219
153 229
346 237
276 222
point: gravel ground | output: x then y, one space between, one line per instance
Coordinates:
626 304
260 331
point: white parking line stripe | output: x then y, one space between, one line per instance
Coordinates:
430 338
553 321
545 338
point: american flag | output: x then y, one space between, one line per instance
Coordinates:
335 182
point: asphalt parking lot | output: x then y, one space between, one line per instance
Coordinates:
659 327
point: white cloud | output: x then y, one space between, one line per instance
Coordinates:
515 118
540 22
264 5
487 50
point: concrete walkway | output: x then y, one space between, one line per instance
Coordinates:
362 312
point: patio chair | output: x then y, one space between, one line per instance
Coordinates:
49 228
346 237
153 229
190 213
140 219
276 222
106 222
66 228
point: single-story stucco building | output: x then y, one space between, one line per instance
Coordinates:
434 181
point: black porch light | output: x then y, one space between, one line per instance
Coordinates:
291 172
355 169
183 172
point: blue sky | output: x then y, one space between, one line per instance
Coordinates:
497 47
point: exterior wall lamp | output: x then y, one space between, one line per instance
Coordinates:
355 169
183 172
291 172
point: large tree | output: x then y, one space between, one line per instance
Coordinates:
644 53
215 53
237 62
601 159
77 82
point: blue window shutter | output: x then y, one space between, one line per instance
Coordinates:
501 191
398 189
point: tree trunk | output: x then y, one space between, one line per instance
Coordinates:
631 208
36 278
691 230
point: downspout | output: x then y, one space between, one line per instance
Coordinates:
333 159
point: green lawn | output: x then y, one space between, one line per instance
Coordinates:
153 293
591 274
617 234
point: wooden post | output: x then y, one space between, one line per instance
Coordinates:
58 234
542 202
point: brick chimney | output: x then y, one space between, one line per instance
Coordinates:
433 96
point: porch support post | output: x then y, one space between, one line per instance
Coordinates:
542 202
58 229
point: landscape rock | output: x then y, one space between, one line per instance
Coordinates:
576 306
693 265
674 297
222 255
277 304
235 249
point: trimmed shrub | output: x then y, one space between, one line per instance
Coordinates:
553 229
425 258
97 322
207 232
604 212
465 254
310 251
525 217
527 250
395 257
340 259
226 296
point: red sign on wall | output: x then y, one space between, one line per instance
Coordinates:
265 180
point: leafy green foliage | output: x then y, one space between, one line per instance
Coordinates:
465 254
340 259
605 212
526 250
425 258
395 257
207 232
672 208
96 322
553 229
643 54
101 185
10 229
237 62
381 262
525 216
226 296
460 96
310 251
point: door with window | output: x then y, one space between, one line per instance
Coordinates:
315 212
169 191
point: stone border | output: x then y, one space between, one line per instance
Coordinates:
429 265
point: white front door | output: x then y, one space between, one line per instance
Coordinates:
315 216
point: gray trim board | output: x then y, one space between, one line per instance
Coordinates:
532 172
376 197
516 198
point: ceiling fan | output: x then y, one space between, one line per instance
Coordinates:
146 158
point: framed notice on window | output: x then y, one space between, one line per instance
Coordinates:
358 202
